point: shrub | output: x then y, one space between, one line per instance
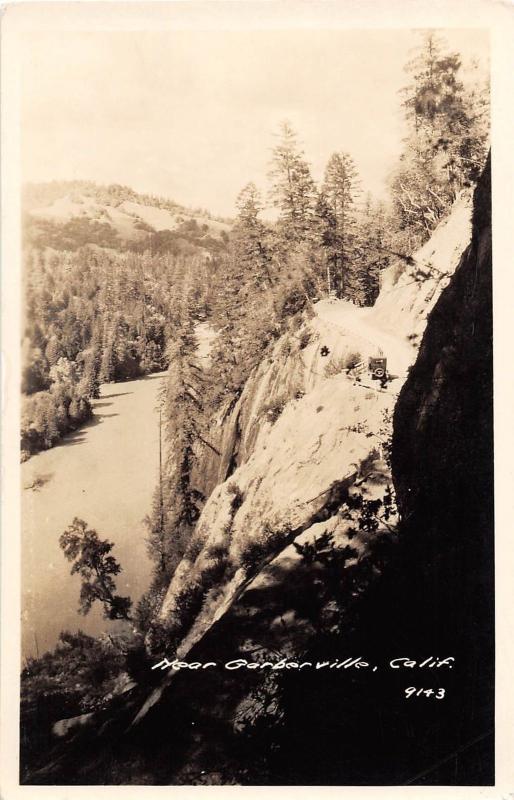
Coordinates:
212 575
274 408
257 549
335 367
237 495
217 551
352 359
148 606
305 339
285 348
194 549
76 677
163 636
293 301
189 602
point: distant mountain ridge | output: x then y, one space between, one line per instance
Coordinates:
70 214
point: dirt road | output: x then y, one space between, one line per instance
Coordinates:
359 321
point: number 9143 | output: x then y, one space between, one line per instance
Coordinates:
412 691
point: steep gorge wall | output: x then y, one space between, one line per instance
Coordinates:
442 441
294 367
409 289
434 598
443 472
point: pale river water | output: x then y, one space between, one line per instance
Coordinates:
104 473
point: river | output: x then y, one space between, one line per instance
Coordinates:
104 473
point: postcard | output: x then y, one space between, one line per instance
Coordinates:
256 456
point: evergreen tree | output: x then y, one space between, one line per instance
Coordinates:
108 362
90 383
45 419
250 237
293 191
53 351
91 560
447 137
373 251
247 313
326 237
183 413
336 211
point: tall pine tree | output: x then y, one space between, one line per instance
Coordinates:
178 506
251 238
446 144
337 220
293 191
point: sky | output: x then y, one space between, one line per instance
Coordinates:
193 115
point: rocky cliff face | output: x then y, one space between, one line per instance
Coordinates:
443 471
304 427
428 595
443 415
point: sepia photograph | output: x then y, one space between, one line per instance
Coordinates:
256 457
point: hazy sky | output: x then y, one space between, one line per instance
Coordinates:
191 115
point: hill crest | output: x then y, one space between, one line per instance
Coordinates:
70 214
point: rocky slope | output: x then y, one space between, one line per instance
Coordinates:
304 431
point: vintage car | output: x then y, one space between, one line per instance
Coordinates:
378 368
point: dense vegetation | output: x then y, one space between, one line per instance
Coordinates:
93 316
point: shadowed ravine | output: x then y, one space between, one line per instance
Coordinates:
104 473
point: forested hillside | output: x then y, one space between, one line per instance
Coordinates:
102 290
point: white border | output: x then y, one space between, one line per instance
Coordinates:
267 14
